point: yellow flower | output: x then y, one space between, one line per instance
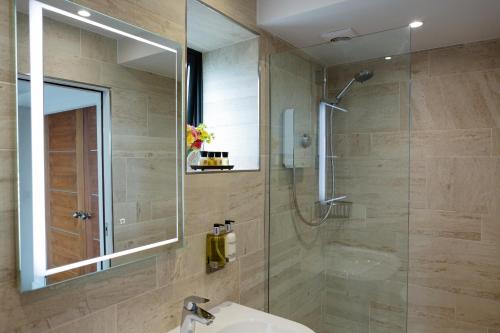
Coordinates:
198 133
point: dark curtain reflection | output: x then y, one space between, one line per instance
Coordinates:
195 87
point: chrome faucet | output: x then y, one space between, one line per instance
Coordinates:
192 313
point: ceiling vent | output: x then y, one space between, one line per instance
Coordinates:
339 34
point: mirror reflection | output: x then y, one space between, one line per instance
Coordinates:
74 186
98 106
222 92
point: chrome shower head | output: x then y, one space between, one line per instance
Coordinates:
360 77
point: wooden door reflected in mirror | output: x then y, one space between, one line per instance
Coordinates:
72 190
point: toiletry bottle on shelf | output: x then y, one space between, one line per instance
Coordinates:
211 158
203 158
225 158
230 241
218 158
216 249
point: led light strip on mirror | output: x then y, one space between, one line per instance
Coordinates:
41 272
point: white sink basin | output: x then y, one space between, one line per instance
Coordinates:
235 318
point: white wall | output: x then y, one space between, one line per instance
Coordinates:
231 102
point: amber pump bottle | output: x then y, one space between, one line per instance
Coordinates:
216 249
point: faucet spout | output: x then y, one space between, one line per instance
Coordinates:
192 313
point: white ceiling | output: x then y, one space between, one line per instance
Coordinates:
446 22
146 58
379 45
208 30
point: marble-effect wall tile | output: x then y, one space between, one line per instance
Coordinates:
144 296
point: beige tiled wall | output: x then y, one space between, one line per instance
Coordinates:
454 283
296 282
366 255
144 296
454 241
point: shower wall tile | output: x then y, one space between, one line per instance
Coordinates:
352 145
390 145
382 115
418 184
447 224
457 101
452 186
440 176
427 106
419 64
431 302
423 323
481 312
310 313
392 71
496 141
362 287
387 319
366 255
443 264
490 228
470 100
334 323
454 191
465 58
296 264
451 143
350 309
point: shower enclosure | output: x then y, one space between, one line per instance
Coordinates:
339 184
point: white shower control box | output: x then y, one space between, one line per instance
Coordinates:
288 138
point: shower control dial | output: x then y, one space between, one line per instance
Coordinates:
305 141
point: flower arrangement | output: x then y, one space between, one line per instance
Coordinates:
196 136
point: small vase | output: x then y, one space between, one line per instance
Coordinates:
193 158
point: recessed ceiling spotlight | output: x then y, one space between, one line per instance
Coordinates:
388 58
84 13
416 24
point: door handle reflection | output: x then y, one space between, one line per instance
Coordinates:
82 215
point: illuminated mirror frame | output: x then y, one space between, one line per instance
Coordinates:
36 8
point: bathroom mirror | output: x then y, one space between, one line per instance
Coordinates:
99 141
222 92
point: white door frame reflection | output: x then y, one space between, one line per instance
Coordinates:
40 270
82 93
